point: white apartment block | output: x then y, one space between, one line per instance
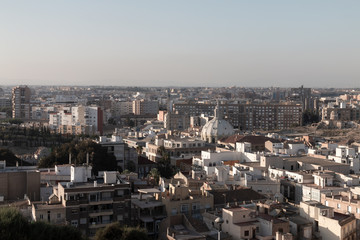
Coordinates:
77 120
347 155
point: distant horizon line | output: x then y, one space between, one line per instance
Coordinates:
172 86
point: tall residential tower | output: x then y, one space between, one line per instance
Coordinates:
21 108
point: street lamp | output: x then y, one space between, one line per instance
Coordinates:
219 221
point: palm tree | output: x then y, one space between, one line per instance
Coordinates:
154 173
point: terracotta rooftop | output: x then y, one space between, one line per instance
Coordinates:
256 140
231 139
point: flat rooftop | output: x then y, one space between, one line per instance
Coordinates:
237 209
149 190
313 160
45 206
79 185
143 204
313 185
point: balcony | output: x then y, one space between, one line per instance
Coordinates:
99 224
102 212
102 201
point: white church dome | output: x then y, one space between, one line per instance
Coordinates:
216 128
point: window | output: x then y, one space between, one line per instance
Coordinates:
93 197
74 211
120 217
74 223
41 216
338 206
326 203
184 208
120 193
246 233
59 215
349 208
83 220
357 210
106 195
195 206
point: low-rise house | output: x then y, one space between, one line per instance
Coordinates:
346 202
176 147
181 198
268 226
240 223
300 227
328 224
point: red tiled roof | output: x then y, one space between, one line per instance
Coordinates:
256 140
232 139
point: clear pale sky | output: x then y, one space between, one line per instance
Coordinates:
180 43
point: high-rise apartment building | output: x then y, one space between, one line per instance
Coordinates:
121 108
303 95
21 102
249 116
145 107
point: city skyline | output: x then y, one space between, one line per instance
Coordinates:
202 43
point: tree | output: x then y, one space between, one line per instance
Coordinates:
11 159
42 231
310 117
98 156
134 233
154 173
117 231
112 121
14 226
164 166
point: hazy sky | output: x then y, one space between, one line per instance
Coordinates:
180 43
